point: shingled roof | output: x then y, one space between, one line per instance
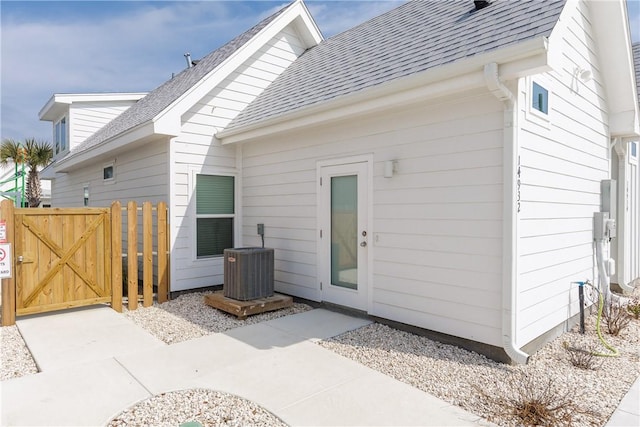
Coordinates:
160 98
636 61
412 38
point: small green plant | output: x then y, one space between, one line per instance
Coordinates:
616 317
633 308
531 401
583 358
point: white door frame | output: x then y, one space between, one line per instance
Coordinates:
323 256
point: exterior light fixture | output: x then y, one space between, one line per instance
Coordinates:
390 167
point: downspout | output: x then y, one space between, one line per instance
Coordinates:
509 212
619 147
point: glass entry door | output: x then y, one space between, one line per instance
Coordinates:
344 234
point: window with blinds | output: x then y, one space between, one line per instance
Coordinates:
215 213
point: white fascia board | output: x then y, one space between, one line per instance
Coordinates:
51 109
307 27
168 120
515 61
613 37
138 135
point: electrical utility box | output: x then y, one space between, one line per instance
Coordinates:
248 273
608 191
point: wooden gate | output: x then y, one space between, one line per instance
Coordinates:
72 257
63 258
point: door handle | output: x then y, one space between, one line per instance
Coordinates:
20 259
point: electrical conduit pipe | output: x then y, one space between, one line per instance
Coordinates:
509 213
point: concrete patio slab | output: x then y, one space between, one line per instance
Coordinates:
177 365
318 324
281 378
83 395
82 335
375 399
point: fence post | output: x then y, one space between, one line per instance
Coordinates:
163 237
9 285
116 256
147 254
132 254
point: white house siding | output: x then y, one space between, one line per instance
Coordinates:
196 150
140 174
562 165
85 118
437 224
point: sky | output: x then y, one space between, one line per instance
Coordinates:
52 47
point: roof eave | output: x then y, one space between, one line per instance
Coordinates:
518 60
611 25
297 14
51 109
138 135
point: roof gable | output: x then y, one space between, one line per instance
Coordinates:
136 120
415 37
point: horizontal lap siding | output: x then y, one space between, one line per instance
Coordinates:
437 224
86 118
196 149
140 174
561 169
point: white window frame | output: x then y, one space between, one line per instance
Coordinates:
111 180
61 146
193 172
532 114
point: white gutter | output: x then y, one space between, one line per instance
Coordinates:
139 134
516 61
509 213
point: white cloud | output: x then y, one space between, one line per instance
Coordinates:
132 52
135 50
336 16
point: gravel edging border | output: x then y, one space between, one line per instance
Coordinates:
204 406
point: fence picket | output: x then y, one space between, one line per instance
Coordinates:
73 265
116 256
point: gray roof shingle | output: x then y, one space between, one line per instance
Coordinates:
160 98
636 60
412 38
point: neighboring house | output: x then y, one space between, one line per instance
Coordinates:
437 166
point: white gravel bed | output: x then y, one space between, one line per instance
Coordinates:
206 407
188 317
463 378
15 358
484 387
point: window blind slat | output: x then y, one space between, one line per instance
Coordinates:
214 194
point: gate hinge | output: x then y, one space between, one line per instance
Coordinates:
321 234
320 181
320 285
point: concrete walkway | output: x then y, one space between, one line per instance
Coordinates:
628 412
95 363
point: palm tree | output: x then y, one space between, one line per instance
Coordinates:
39 155
34 154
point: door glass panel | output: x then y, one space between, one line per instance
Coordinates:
344 231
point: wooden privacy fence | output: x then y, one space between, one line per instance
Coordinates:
72 257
